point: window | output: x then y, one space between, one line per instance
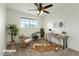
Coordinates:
24 22
28 23
33 23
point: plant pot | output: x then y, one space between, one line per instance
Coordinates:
12 43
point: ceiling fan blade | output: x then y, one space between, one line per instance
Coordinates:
32 9
40 5
36 4
46 11
48 6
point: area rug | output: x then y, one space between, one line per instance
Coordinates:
45 47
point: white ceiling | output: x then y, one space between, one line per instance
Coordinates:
24 7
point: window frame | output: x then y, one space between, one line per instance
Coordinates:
29 19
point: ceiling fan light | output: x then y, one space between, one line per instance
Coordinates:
41 13
37 12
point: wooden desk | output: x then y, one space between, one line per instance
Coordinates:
58 36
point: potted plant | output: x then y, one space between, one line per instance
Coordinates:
13 31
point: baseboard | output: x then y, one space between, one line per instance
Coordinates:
1 53
73 49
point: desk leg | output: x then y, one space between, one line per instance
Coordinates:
46 37
66 43
63 44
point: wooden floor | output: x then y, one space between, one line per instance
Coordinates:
28 51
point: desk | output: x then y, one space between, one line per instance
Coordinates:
58 36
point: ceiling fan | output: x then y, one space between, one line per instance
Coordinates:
41 8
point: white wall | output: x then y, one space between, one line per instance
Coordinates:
2 28
13 17
70 16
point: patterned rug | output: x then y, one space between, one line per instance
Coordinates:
45 47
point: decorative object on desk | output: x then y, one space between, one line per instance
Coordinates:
42 33
63 32
49 29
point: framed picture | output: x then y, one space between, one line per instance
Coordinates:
58 24
55 24
61 24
